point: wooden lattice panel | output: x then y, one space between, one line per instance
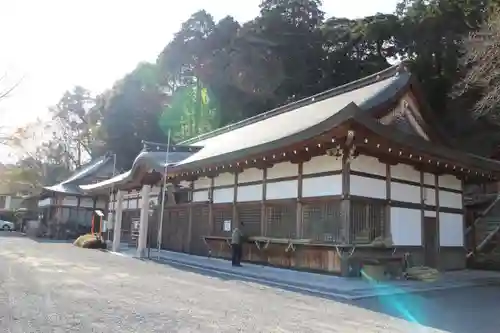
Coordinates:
367 221
250 216
321 221
281 220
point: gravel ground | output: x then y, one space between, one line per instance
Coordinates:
54 287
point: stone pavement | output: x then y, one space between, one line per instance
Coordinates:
318 284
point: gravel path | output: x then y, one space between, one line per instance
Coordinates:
48 287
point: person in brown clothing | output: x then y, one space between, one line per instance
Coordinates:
237 245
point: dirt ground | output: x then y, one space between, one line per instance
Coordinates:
55 287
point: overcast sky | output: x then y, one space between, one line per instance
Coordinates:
56 44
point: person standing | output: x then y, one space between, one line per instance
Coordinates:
237 246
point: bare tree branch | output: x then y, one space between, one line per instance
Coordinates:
483 62
6 93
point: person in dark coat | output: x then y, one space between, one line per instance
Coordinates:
237 245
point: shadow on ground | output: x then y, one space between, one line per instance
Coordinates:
35 239
467 310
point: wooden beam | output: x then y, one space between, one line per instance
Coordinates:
299 218
190 216
210 206
235 221
422 211
387 224
345 205
438 208
263 217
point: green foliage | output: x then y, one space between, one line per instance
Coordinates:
289 51
190 112
131 114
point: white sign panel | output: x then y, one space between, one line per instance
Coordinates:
227 225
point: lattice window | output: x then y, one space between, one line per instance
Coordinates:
322 221
250 215
367 221
221 214
281 221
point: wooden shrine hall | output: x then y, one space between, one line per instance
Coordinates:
360 171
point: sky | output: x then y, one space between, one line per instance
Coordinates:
52 45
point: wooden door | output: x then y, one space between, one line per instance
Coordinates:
431 241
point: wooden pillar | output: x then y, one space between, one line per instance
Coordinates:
387 221
235 222
118 213
210 207
345 205
94 218
144 219
299 218
436 196
422 208
190 216
469 238
263 217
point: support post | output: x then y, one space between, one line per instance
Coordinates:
143 224
263 218
190 217
388 196
299 220
235 220
345 204
118 211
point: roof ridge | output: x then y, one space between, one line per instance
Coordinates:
89 165
353 85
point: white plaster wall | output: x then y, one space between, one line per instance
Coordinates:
429 179
368 164
450 181
322 186
155 190
404 192
430 213
201 183
250 175
429 196
368 187
124 204
86 202
100 204
132 194
200 196
320 164
249 193
450 199
224 179
8 200
70 201
282 190
280 170
134 203
406 226
223 195
182 184
405 172
451 229
45 202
